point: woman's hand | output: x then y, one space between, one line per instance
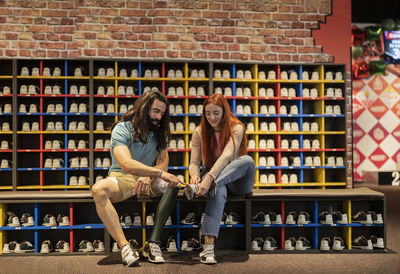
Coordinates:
204 185
194 180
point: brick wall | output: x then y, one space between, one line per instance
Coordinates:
248 30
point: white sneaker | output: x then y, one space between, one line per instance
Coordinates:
200 91
338 76
110 72
314 93
207 256
337 110
306 93
271 109
82 181
239 109
106 163
329 92
294 144
82 108
82 144
339 161
178 109
292 93
123 109
250 127
172 144
338 92
97 162
294 110
48 90
315 76
110 108
315 144
270 144
262 92
107 144
306 126
227 92
284 161
272 126
74 162
48 163
239 74
82 90
251 144
32 90
306 144
284 179
262 143
308 161
192 91
181 144
50 108
22 108
155 73
330 161
72 126
284 75
23 89
35 71
284 144
270 92
314 126
284 92
25 127
329 76
271 75
179 91
4 145
57 163
328 110
263 179
317 161
270 161
81 126
73 181
286 126
261 75
283 110
247 110
71 144
226 74
264 126
84 162
293 179
271 178
73 108
99 125
110 90
130 91
262 161
56 144
192 126
293 75
35 126
192 109
296 161
294 126
247 92
305 76
24 71
32 108
73 90
239 92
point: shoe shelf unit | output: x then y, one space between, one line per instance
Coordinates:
62 111
84 223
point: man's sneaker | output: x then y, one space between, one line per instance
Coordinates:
190 219
270 244
62 220
232 219
125 219
340 218
13 220
325 218
304 218
363 218
137 220
290 243
27 220
261 218
376 218
325 244
190 191
171 246
152 252
98 246
24 247
62 246
363 243
338 243
115 248
224 215
207 256
291 218
276 219
85 246
257 244
10 247
302 244
129 255
190 244
46 247
49 220
150 219
377 242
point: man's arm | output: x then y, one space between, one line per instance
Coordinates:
161 163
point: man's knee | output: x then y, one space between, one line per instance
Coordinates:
100 190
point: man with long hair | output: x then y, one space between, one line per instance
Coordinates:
139 167
220 145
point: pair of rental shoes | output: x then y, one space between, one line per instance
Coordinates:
191 190
153 253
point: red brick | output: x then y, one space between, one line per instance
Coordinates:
53 13
284 41
166 29
103 52
91 27
296 41
297 25
144 37
48 45
145 21
214 55
285 17
227 39
312 17
297 33
160 4
156 45
118 20
40 29
131 45
213 38
283 57
172 37
24 20
145 29
131 36
25 45
52 37
312 25
214 14
131 53
285 8
295 58
234 55
200 38
306 58
256 57
286 49
233 47
132 13
53 54
66 37
160 21
155 53
119 28
67 21
270 57
186 55
228 23
185 46
11 36
160 13
213 46
200 55
74 54
24 53
172 54
11 52
312 6
117 53
309 49
89 35
202 30
242 40
270 40
38 36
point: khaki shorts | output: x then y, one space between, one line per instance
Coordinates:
126 183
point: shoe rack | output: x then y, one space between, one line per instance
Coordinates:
281 142
85 224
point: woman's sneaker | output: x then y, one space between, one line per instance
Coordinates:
152 251
207 256
190 191
129 255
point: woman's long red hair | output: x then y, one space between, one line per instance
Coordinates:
226 125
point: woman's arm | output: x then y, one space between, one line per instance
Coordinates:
195 158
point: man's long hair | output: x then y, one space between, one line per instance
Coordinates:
138 116
226 125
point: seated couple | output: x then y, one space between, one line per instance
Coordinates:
140 162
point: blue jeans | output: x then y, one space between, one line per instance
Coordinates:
237 178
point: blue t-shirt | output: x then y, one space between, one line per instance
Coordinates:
122 134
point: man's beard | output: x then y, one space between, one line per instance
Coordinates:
152 126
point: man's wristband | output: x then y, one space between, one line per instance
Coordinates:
160 174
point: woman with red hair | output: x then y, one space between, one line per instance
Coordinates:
220 144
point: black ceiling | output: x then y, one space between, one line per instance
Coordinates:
374 11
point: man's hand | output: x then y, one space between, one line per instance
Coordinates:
171 179
142 186
194 180
204 186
